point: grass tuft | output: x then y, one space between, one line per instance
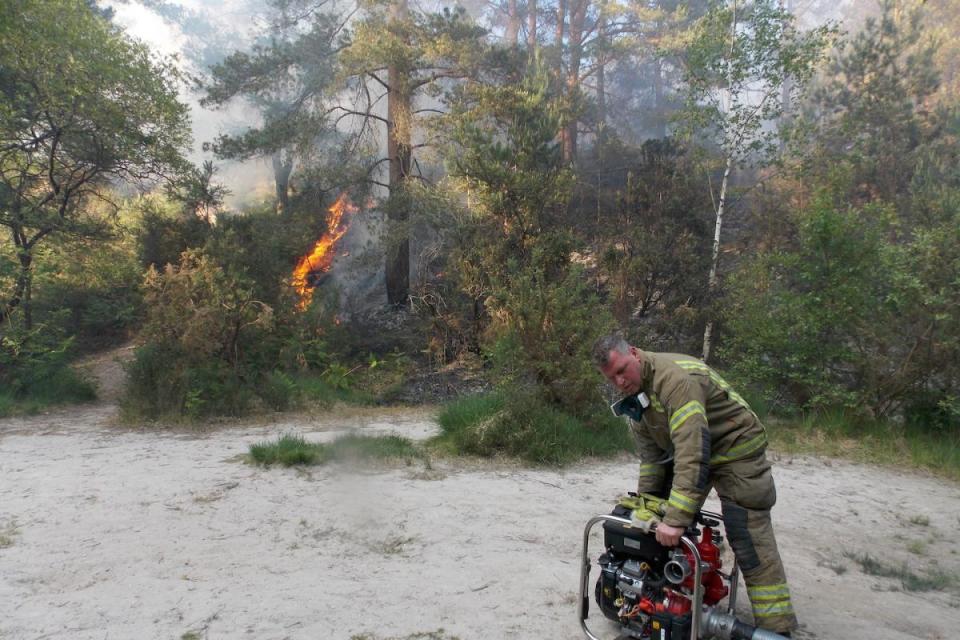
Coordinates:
290 450
917 547
8 533
524 427
834 565
920 521
935 580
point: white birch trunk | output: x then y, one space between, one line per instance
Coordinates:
715 256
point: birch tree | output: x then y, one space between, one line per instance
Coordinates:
738 58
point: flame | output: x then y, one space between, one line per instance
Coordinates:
321 257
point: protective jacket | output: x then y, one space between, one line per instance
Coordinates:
696 419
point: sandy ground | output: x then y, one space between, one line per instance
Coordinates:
113 533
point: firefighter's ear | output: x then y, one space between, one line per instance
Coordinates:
634 352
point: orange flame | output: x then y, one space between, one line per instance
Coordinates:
320 259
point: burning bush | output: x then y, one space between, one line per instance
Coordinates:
218 341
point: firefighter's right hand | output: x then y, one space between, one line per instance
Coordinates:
667 535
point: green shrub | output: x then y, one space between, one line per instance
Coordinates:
163 381
155 383
278 390
523 426
848 434
202 332
90 288
853 316
354 447
35 370
460 415
544 328
164 231
511 256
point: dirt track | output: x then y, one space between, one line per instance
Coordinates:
108 532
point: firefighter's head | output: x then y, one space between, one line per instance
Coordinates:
619 363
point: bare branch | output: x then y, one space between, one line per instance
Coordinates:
379 80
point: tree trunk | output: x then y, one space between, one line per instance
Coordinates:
532 25
787 88
21 287
578 14
658 106
715 256
282 168
21 291
601 107
558 68
512 36
558 41
602 75
399 101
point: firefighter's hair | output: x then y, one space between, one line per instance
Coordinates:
603 346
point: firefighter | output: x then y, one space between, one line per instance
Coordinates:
696 432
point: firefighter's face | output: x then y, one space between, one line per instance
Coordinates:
623 371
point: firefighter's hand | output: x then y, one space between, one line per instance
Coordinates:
668 536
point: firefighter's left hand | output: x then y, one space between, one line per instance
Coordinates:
668 536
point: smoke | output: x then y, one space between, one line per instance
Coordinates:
197 34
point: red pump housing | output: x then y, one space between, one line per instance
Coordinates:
714 590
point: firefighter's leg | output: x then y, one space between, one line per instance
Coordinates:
747 493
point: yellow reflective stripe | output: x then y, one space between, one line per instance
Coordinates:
744 450
736 397
764 610
650 469
655 402
692 364
761 598
682 502
771 592
690 409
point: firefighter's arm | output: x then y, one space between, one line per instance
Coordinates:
685 402
653 469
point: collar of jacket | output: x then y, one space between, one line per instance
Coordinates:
646 370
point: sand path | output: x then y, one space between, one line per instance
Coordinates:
110 532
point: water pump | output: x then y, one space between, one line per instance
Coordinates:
656 593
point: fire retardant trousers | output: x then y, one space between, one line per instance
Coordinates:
747 494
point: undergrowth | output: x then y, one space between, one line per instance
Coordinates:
888 443
524 427
64 386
